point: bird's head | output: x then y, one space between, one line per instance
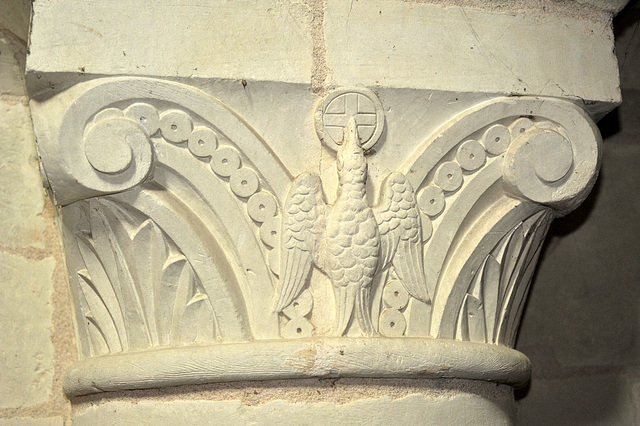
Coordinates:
351 163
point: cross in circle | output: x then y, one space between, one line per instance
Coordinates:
342 108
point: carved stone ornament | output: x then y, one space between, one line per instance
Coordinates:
196 255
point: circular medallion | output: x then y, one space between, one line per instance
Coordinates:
335 110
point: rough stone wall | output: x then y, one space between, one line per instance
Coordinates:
581 328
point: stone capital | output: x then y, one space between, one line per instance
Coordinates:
289 191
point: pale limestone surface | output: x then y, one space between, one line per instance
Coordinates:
186 227
27 265
523 168
375 39
12 58
581 362
154 141
31 421
473 54
26 350
21 198
580 329
235 40
412 409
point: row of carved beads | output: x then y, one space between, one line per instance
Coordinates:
110 140
395 298
470 156
298 326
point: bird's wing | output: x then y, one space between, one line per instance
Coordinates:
400 234
302 226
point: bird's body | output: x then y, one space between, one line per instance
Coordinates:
353 249
352 241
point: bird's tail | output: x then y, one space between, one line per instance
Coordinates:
363 311
345 300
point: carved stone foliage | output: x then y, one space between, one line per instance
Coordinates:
183 226
114 134
496 295
134 288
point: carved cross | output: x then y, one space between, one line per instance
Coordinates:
346 106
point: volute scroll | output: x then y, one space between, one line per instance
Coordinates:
492 179
103 143
551 150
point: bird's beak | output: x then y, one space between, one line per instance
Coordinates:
351 141
351 134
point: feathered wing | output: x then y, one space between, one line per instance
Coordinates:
302 227
400 235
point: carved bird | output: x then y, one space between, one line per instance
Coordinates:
350 241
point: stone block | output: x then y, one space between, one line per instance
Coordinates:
31 421
12 58
21 193
199 39
26 351
412 409
426 46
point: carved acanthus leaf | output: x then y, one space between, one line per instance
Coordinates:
491 309
138 291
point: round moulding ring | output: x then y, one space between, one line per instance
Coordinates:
299 359
334 111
